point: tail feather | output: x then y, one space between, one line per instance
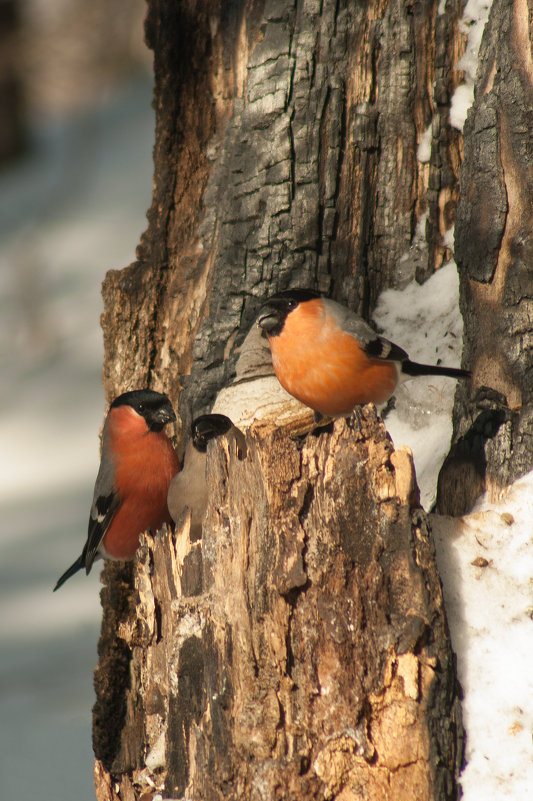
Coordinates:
413 368
79 564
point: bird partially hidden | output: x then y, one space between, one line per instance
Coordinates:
137 465
330 359
189 488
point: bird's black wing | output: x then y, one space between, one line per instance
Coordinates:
103 509
105 503
381 348
374 345
102 513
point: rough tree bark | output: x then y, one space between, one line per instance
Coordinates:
300 648
285 151
493 427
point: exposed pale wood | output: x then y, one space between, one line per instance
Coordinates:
302 643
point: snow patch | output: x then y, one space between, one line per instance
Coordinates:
473 21
426 322
423 152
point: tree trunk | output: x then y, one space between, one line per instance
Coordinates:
300 648
494 425
286 142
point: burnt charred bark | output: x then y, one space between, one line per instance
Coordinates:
286 153
494 424
287 648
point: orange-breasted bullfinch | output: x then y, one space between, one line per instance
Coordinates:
189 488
329 358
137 465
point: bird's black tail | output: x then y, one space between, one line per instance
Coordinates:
79 564
413 368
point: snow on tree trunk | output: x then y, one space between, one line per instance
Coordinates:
494 425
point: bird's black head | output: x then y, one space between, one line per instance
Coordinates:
207 427
153 406
274 311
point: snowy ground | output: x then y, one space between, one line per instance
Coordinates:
68 213
486 564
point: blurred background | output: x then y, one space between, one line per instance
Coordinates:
76 138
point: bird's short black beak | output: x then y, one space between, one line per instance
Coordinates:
160 417
269 317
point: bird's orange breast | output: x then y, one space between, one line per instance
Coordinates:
324 367
145 464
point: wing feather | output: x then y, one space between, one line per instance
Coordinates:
375 346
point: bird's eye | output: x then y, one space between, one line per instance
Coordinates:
292 304
140 407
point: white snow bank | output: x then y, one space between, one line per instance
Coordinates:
486 563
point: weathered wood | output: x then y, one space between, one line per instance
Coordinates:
300 649
112 675
286 152
493 428
446 141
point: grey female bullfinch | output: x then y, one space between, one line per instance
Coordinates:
189 487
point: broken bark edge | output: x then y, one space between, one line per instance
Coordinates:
312 654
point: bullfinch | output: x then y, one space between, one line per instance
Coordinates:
189 488
137 465
329 358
